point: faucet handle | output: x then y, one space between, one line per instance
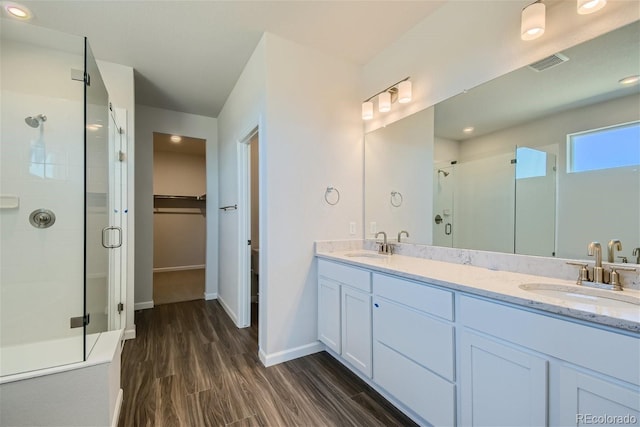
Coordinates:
583 274
615 281
624 259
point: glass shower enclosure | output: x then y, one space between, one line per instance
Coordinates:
58 240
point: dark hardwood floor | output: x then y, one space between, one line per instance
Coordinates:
190 366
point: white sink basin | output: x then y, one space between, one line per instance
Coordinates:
584 295
366 254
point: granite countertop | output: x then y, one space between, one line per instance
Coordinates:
498 285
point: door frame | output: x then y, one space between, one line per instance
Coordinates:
244 228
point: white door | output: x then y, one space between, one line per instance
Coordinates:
356 329
329 314
591 400
501 385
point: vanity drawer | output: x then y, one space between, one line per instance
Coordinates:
425 393
350 276
421 338
437 302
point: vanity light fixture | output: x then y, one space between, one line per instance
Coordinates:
384 102
586 7
17 11
404 92
367 110
399 91
533 21
629 80
176 139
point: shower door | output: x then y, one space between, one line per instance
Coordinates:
99 182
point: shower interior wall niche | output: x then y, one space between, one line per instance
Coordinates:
48 163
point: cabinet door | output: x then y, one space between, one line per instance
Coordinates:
587 399
356 329
329 314
501 385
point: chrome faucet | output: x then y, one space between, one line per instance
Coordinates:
612 246
384 247
595 249
406 233
636 253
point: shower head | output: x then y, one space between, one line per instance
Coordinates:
446 174
34 121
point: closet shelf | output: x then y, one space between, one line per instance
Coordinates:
175 201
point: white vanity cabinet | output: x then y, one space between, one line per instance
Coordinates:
413 346
450 358
344 312
523 368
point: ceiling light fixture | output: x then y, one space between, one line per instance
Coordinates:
468 129
533 21
629 80
176 139
586 7
399 91
17 11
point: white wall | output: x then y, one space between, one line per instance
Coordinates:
314 140
242 112
310 138
466 43
148 121
399 157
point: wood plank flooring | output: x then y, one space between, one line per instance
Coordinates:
190 366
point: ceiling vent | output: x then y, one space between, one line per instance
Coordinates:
548 62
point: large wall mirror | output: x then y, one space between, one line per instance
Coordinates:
540 161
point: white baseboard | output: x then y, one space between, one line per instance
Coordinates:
116 412
230 312
290 354
129 334
179 268
144 305
210 295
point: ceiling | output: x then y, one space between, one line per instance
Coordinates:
186 145
188 55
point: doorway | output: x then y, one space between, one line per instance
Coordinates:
254 195
179 218
250 254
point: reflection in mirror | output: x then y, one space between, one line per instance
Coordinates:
573 128
398 178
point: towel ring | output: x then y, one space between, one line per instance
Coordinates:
329 191
396 199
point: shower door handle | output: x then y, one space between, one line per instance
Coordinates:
105 232
447 229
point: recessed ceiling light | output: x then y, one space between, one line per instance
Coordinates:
175 139
468 129
16 10
629 80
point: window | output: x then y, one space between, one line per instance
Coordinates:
612 147
530 163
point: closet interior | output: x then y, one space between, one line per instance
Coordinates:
179 220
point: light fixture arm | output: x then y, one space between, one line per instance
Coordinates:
389 89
